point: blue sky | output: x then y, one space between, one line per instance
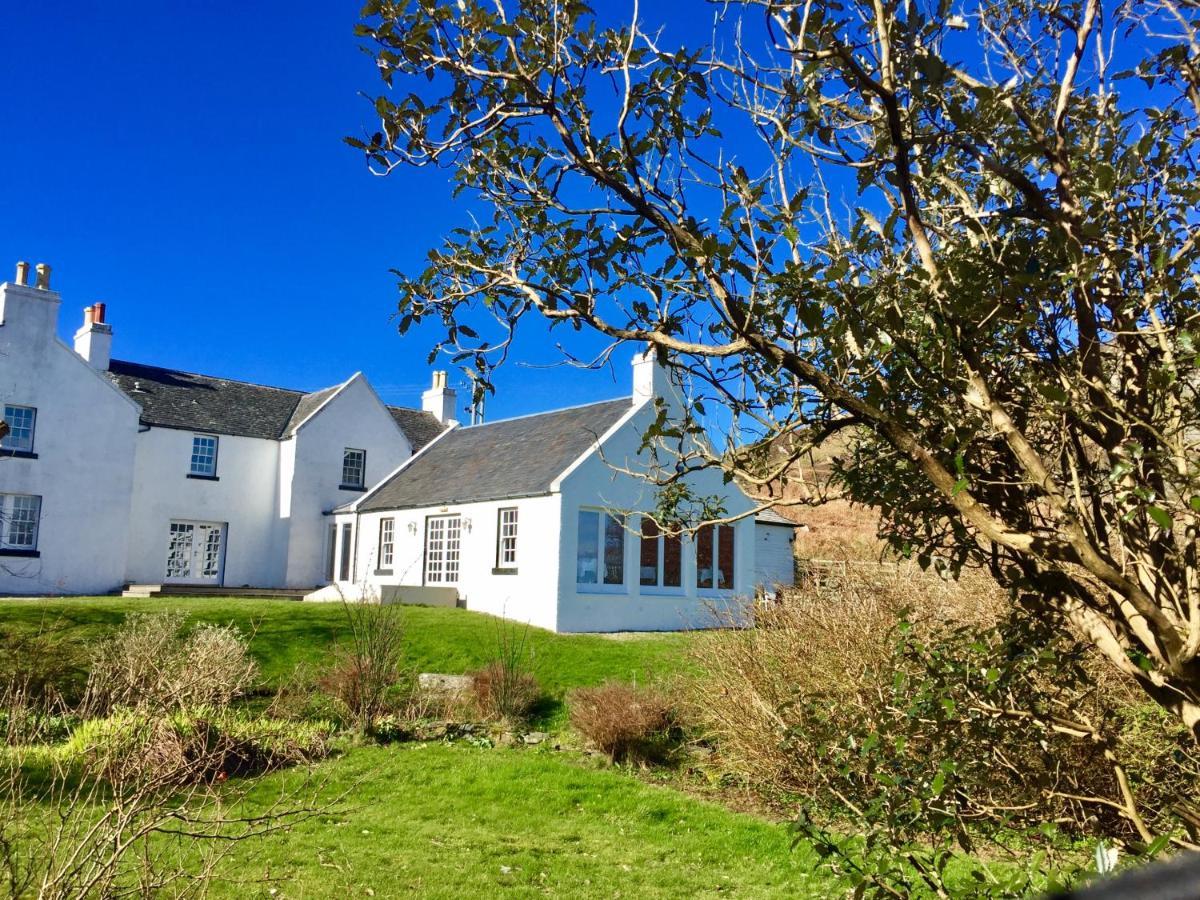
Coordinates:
183 162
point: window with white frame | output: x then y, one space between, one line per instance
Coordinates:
19 518
354 468
204 455
506 539
600 553
21 421
387 542
660 557
714 557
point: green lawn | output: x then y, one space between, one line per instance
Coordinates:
439 820
287 633
456 821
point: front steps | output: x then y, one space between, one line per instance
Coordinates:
204 590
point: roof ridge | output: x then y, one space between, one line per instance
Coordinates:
545 412
269 387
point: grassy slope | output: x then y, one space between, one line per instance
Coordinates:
441 821
287 633
456 821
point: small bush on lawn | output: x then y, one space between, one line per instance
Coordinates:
506 688
502 692
624 721
43 665
188 747
151 663
368 678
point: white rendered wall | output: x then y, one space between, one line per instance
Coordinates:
354 417
245 497
528 595
84 441
597 483
774 562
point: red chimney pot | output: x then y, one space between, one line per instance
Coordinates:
99 313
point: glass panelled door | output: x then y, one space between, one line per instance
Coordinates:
443 546
195 552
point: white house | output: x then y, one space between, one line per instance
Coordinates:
116 472
539 519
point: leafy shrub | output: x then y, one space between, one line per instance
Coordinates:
21 724
186 747
150 662
622 720
368 678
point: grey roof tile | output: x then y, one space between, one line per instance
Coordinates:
498 460
170 398
419 427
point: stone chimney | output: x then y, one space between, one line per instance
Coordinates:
439 399
650 378
93 341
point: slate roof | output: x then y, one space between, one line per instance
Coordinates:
498 460
419 427
771 517
170 398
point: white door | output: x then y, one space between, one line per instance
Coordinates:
443 545
195 552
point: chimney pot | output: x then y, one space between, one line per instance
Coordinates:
43 276
98 310
89 315
23 273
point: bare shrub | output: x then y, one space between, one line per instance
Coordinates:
506 688
934 719
368 677
823 642
151 662
622 720
504 693
44 664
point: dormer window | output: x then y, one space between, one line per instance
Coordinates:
204 456
354 469
21 422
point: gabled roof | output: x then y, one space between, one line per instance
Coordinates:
170 398
309 404
499 460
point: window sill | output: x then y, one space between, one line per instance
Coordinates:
609 589
17 454
26 554
203 477
361 488
383 572
507 571
653 590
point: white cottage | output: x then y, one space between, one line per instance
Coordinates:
118 473
537 519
